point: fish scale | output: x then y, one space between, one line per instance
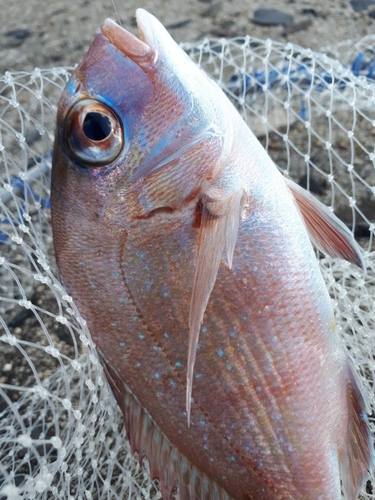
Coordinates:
189 256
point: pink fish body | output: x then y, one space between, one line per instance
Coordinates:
188 254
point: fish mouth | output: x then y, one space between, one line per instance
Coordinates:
137 49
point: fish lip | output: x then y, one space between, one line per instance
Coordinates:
134 48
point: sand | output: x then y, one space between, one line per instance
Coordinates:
60 31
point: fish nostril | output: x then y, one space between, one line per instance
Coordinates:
97 126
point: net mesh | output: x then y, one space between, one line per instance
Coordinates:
61 433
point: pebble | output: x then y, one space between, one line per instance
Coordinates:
178 24
293 28
213 10
315 185
360 5
361 230
32 136
271 17
19 34
309 12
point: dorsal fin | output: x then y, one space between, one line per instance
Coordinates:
218 231
357 460
326 231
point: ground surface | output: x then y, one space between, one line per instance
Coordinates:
59 32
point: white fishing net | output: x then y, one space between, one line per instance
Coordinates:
61 434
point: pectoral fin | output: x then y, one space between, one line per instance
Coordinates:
326 231
218 232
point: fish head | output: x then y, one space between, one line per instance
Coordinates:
132 136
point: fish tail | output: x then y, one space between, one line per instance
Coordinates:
357 459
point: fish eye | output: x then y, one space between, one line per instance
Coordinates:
94 133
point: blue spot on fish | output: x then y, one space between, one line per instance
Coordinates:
172 383
166 335
260 464
123 300
141 336
141 255
202 422
204 329
148 285
178 363
135 318
229 367
232 334
233 458
166 294
211 459
198 375
138 365
115 275
220 352
114 324
259 389
157 375
122 344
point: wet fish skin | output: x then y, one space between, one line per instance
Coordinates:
277 407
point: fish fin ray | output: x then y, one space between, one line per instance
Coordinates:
358 459
328 233
218 231
231 232
166 462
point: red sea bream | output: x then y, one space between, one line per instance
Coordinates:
190 257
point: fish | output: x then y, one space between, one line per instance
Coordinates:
191 258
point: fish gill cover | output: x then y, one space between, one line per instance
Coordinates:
61 433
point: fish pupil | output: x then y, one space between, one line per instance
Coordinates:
96 126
